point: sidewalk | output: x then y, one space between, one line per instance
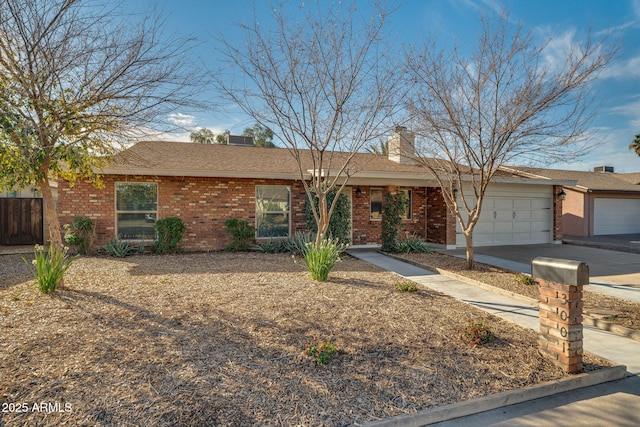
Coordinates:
615 290
608 404
617 349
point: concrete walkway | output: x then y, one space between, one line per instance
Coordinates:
610 404
611 273
618 349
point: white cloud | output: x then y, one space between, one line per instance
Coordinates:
616 29
635 5
182 120
558 46
628 68
611 150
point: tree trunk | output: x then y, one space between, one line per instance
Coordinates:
469 240
323 215
50 214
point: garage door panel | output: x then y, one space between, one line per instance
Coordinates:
503 227
520 227
503 204
616 216
523 216
541 215
483 227
541 203
522 204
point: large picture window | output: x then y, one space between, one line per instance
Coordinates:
272 211
136 210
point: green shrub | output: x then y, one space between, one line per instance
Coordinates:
525 279
411 244
48 267
407 286
477 332
320 260
394 206
271 246
340 221
297 244
242 235
119 249
321 351
80 234
169 232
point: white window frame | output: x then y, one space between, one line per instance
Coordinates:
259 212
115 206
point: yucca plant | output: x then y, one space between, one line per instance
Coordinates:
48 266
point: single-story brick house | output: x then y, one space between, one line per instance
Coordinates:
207 184
601 202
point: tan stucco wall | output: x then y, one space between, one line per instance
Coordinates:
575 214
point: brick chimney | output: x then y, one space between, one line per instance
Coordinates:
401 147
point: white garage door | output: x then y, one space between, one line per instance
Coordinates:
616 216
511 221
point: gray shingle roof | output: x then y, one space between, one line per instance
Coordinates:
176 158
595 181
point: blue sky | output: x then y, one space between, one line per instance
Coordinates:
563 22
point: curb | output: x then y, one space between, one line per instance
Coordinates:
603 325
598 245
507 398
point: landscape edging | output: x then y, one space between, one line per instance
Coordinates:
507 398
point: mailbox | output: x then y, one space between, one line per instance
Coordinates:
556 270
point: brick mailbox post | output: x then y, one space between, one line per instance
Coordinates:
560 302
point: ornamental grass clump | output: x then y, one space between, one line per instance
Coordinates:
48 266
320 260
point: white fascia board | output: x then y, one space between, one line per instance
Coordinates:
533 181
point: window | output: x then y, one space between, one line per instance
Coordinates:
376 203
407 197
136 210
272 211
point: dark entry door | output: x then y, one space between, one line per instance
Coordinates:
21 222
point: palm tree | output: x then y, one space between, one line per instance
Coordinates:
635 145
381 150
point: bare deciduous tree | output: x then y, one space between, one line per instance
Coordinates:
500 103
77 79
327 85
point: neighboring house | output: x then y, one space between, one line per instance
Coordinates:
22 216
206 184
600 203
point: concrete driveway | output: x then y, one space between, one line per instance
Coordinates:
611 272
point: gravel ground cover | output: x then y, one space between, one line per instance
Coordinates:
219 339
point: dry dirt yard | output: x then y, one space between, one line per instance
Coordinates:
218 339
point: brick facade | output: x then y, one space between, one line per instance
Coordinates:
557 214
441 223
204 204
